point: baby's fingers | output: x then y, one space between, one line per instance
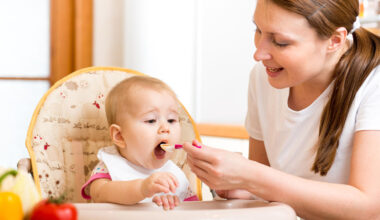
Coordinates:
173 184
157 200
158 188
165 202
171 201
176 200
170 182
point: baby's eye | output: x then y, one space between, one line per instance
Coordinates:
172 120
151 121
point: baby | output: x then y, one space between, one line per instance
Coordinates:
142 114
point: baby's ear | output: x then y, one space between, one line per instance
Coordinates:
116 136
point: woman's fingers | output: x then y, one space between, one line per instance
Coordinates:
205 153
222 193
220 169
196 143
205 172
193 165
199 171
201 174
199 153
206 166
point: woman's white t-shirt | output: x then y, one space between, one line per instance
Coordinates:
290 136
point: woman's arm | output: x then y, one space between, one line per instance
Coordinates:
257 151
359 199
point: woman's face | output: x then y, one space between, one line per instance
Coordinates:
289 48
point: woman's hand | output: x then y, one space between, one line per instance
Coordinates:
159 182
219 169
234 194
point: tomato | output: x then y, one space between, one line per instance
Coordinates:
50 210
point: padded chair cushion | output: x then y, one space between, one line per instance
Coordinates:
69 126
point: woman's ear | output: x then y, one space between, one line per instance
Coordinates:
116 136
337 40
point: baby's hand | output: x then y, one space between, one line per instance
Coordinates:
166 201
159 183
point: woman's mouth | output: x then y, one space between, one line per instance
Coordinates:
159 152
273 72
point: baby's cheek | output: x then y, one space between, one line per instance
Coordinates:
177 135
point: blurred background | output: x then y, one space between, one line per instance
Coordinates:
202 48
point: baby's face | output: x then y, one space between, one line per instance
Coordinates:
150 118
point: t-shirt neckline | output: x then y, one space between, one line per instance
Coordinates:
315 104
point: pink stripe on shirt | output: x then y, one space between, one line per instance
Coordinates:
92 178
191 198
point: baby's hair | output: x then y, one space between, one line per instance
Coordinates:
120 92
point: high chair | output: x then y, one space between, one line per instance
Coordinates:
69 125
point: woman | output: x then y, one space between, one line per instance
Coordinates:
313 115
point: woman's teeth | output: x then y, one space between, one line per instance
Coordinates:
273 69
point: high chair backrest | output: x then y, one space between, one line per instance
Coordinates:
69 125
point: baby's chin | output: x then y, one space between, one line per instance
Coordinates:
156 164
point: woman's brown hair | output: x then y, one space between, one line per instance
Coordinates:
325 16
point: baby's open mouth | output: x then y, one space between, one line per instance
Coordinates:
159 152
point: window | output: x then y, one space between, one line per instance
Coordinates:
24 73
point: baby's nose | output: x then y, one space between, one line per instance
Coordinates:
164 128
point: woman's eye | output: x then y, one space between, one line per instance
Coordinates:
279 44
257 31
151 121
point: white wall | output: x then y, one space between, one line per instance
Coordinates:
201 48
224 58
159 41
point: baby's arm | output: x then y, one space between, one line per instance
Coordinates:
133 191
121 192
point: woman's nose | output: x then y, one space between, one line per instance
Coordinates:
261 52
